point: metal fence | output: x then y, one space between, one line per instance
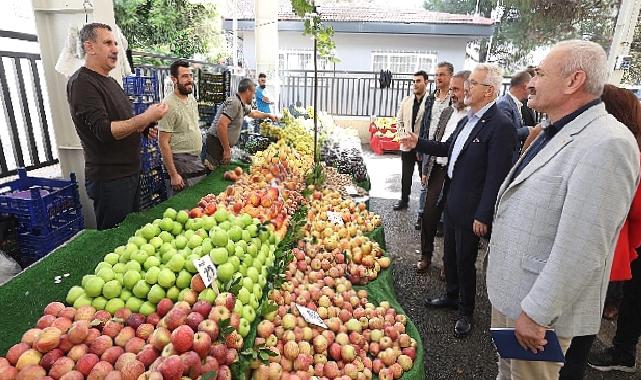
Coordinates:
25 127
349 93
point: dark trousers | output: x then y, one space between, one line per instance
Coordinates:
432 210
461 250
629 319
576 358
113 200
214 149
409 160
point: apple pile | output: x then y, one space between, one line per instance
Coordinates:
158 263
355 216
234 174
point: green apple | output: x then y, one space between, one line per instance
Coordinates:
219 237
166 224
225 272
248 260
148 231
182 217
166 236
93 286
170 213
198 223
141 289
137 240
226 225
247 283
176 263
152 261
249 313
119 268
247 237
100 266
124 258
119 277
189 225
189 263
219 256
140 256
231 248
238 222
134 265
156 293
221 215
263 235
111 258
166 278
107 274
181 295
252 229
252 250
99 303
243 327
197 251
151 277
188 234
243 269
111 289
246 219
178 228
149 249
257 242
173 293
125 295
207 244
238 306
168 255
208 295
74 293
258 290
252 273
119 249
209 222
244 295
130 279
262 280
253 301
114 304
235 261
131 248
82 301
235 233
195 241
133 304
147 308
183 280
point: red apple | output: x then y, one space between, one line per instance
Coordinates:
45 321
92 335
193 320
160 338
54 308
100 345
15 352
152 319
78 331
164 306
124 335
234 340
172 368
219 351
192 366
135 345
78 351
86 363
202 307
112 354
201 344
85 313
49 358
73 375
31 336
182 338
135 320
131 370
67 312
48 340
147 355
100 371
112 328
31 372
175 318
60 367
210 327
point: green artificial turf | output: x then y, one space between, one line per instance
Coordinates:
24 297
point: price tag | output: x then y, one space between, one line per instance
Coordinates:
207 271
351 190
311 316
335 217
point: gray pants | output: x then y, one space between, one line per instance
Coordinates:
190 168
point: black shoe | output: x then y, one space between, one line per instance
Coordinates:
612 360
439 230
463 327
401 205
442 303
419 223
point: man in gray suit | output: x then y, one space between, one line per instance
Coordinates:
560 209
510 104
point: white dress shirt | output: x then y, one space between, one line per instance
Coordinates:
449 128
461 139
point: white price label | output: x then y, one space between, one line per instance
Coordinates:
335 217
207 271
351 190
311 316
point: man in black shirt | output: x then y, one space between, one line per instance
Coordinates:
108 132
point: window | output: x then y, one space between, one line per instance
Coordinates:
404 62
300 60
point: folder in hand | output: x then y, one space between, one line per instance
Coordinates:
509 348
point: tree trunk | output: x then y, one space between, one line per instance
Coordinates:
483 51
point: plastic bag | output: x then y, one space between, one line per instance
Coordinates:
8 268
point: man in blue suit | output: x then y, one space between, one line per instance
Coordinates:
511 105
479 154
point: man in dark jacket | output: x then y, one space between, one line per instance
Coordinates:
479 156
511 105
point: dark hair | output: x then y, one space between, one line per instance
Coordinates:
520 78
245 84
625 107
421 73
448 65
531 70
173 69
262 75
88 32
463 74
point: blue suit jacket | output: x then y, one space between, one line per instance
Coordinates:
480 168
511 110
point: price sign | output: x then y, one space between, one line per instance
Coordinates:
335 217
351 190
207 271
311 316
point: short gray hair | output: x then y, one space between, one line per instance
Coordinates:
494 76
463 74
88 32
245 84
589 57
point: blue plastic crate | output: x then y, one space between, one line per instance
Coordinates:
40 204
33 248
138 108
150 156
140 85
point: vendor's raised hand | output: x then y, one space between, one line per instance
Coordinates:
409 140
273 117
156 112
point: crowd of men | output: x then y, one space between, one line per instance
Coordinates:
556 199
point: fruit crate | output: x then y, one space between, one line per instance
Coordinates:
138 85
34 247
150 156
153 188
40 205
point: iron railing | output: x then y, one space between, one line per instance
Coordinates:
349 93
25 132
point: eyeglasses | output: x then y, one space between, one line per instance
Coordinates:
473 83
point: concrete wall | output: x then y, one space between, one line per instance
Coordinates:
354 50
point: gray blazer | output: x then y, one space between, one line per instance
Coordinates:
556 225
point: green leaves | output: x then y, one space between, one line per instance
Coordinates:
234 285
314 27
224 329
211 375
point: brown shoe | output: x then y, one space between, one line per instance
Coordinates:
423 265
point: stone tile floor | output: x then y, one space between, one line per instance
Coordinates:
446 356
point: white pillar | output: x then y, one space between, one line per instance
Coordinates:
623 35
266 37
53 19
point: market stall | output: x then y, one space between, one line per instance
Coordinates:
302 284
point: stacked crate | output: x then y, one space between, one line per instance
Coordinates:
47 213
213 89
142 92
